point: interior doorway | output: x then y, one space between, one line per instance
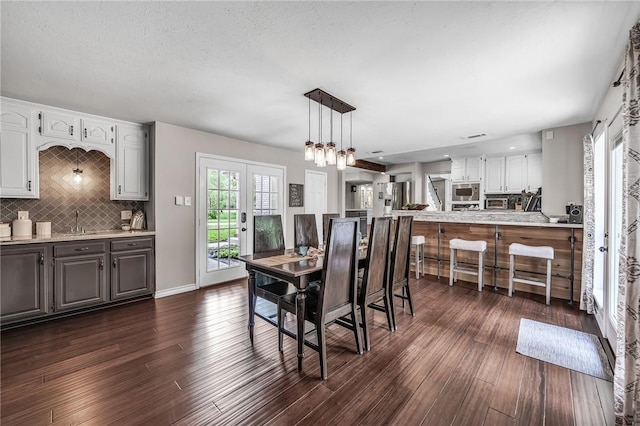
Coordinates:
315 195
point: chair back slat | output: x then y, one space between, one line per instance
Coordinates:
340 267
326 217
401 250
268 235
305 230
377 263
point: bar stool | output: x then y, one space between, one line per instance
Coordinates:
541 252
456 244
418 257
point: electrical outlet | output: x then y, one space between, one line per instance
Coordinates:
187 201
125 214
23 215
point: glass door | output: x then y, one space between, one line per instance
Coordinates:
230 193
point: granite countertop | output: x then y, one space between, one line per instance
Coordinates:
89 235
512 218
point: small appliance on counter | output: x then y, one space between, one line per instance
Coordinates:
43 229
496 203
575 213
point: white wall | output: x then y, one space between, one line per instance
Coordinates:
563 168
174 152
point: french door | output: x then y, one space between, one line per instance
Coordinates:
608 195
230 193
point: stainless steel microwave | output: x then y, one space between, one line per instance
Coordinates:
465 192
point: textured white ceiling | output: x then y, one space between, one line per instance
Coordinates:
421 75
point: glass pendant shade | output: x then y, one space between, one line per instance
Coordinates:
341 160
309 154
77 176
351 157
319 156
331 154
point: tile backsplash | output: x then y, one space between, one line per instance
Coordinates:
60 197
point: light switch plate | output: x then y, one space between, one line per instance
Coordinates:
178 200
23 215
125 214
187 201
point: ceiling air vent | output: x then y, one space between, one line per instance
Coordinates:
376 152
479 135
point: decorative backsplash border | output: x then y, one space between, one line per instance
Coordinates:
60 197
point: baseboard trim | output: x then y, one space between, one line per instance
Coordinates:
175 290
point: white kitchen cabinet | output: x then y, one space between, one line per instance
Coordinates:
59 125
18 157
534 172
98 132
494 175
131 164
466 169
515 176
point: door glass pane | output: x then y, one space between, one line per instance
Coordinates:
222 219
600 215
265 194
615 230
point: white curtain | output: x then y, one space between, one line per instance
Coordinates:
626 386
589 229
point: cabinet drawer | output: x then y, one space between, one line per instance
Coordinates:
76 249
133 244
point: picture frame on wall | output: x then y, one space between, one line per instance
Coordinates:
296 195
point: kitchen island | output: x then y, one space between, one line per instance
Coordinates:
499 230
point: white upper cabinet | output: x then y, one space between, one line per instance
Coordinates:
515 176
131 164
75 130
494 175
534 172
18 158
98 132
466 169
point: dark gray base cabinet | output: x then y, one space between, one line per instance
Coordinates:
132 267
23 277
44 280
80 282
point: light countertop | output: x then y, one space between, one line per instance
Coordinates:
90 235
511 218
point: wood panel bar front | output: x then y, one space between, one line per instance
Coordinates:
496 272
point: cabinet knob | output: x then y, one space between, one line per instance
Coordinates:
29 186
114 263
71 130
82 249
119 189
85 133
41 259
132 244
101 264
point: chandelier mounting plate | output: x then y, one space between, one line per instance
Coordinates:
329 101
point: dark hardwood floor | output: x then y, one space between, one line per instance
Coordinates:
187 360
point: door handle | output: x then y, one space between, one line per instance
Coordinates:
243 229
603 249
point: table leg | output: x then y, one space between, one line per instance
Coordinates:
252 302
300 302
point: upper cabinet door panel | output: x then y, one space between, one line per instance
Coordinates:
534 172
58 125
458 169
98 132
132 164
494 175
17 156
17 118
474 169
515 173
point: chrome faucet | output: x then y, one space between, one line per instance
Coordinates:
77 229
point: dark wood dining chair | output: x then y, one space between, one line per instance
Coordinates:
268 239
305 230
326 217
399 268
337 293
373 286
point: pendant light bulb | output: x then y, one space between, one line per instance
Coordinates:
341 160
77 172
351 152
309 154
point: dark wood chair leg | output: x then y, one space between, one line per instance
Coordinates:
365 327
356 329
388 310
281 316
391 308
408 292
322 349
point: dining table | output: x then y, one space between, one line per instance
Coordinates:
293 268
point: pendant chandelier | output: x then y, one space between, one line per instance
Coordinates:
316 151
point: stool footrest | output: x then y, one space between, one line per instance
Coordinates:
528 281
466 271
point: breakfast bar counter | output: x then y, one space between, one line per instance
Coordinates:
499 230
